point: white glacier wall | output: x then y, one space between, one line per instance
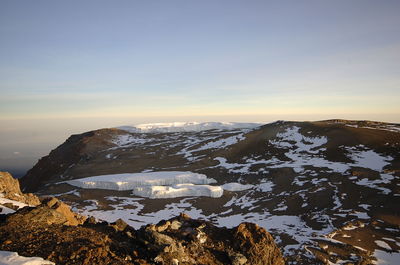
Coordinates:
162 184
178 190
129 181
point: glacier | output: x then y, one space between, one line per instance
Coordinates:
178 190
129 181
161 184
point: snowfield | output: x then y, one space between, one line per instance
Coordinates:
293 138
126 139
305 151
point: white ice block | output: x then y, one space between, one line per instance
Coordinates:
178 190
128 181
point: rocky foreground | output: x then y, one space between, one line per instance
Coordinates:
48 228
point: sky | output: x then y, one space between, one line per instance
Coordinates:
71 66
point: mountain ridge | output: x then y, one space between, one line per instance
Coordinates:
186 126
308 181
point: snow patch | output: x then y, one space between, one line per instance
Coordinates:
234 186
385 179
386 258
126 140
221 143
14 203
12 258
383 244
303 143
5 210
134 217
265 186
368 158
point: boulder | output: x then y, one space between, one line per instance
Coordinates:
51 211
257 245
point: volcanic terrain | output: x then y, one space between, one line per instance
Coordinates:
327 191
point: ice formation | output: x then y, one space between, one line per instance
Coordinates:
129 181
178 190
162 184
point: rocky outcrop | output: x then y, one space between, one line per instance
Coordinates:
258 245
10 189
183 240
54 232
50 211
47 231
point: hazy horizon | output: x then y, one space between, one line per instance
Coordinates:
24 142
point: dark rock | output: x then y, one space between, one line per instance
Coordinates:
119 225
257 245
159 239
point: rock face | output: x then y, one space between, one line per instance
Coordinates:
75 149
10 189
42 232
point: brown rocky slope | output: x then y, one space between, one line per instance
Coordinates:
52 231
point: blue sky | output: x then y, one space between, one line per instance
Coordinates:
195 60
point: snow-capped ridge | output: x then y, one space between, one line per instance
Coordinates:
187 126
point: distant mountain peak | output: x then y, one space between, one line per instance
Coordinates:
187 126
